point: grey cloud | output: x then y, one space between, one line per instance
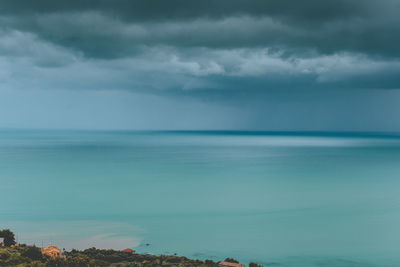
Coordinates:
257 57
227 51
200 72
181 46
137 10
110 29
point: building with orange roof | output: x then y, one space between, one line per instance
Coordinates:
229 264
52 251
128 250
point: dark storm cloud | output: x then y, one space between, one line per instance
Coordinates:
260 64
215 46
116 28
137 10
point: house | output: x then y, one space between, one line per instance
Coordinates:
1 241
128 250
52 251
229 264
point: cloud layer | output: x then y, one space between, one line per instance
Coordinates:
218 51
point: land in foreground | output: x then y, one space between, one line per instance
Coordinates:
31 256
14 254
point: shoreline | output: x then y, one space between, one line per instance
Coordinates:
31 256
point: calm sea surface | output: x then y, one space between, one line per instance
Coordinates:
293 200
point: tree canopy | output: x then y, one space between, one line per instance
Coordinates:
9 238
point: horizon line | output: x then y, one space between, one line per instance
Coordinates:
221 131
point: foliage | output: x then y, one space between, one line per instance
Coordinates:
4 254
15 259
209 263
35 264
30 256
33 253
57 262
231 260
123 259
253 264
9 238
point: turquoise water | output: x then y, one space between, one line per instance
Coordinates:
293 200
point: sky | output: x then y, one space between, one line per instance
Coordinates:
271 65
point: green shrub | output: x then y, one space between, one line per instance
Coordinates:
33 253
35 264
9 238
57 262
231 260
4 254
15 259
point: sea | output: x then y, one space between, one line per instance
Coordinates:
276 198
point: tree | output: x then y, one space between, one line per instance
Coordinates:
9 238
33 253
253 264
231 260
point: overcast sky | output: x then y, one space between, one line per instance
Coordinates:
179 64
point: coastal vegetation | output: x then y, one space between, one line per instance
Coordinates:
8 237
31 256
21 255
